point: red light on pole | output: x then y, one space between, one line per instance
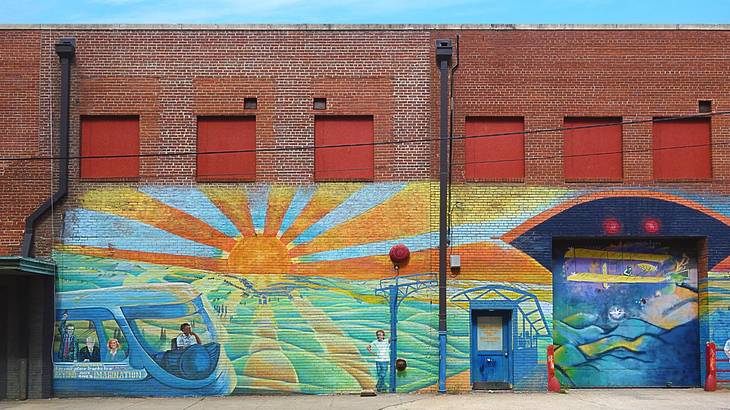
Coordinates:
651 226
611 226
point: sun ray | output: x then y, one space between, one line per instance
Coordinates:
192 262
467 234
126 234
280 198
296 206
366 268
132 204
195 203
359 202
258 204
411 221
414 243
233 202
325 198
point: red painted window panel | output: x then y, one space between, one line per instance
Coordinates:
592 154
682 150
220 134
116 141
494 158
353 163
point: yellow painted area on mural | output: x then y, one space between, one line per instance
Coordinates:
458 382
338 346
366 298
326 198
610 343
403 215
280 198
646 267
672 309
606 278
233 202
611 255
267 364
265 332
132 204
543 295
502 202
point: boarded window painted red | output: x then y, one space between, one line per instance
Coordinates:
494 158
115 140
682 150
216 136
592 150
353 163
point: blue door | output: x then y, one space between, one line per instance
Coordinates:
491 349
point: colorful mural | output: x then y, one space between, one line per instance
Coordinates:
285 286
626 314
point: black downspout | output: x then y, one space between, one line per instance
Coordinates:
65 49
443 58
452 108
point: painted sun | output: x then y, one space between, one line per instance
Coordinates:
327 230
252 230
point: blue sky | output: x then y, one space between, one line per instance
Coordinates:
375 11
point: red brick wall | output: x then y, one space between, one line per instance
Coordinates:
190 73
546 75
22 184
168 77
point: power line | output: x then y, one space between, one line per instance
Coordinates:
366 144
375 167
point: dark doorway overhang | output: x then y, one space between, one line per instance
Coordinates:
19 265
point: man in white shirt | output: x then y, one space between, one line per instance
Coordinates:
727 349
187 338
381 348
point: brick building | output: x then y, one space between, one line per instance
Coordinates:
589 207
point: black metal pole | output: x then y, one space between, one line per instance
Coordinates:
443 58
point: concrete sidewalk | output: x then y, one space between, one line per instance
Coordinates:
635 399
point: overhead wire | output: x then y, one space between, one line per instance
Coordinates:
374 143
423 166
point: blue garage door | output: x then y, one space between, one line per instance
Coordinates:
625 313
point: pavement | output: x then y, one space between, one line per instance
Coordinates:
634 399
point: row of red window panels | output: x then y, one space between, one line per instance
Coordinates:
494 149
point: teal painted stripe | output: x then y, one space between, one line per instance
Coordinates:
298 203
258 205
83 227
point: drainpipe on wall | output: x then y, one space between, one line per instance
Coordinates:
65 49
443 59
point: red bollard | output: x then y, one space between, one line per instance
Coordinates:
553 383
711 367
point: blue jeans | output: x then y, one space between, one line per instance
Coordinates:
382 371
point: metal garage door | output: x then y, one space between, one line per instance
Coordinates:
625 313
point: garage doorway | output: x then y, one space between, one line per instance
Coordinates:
626 312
